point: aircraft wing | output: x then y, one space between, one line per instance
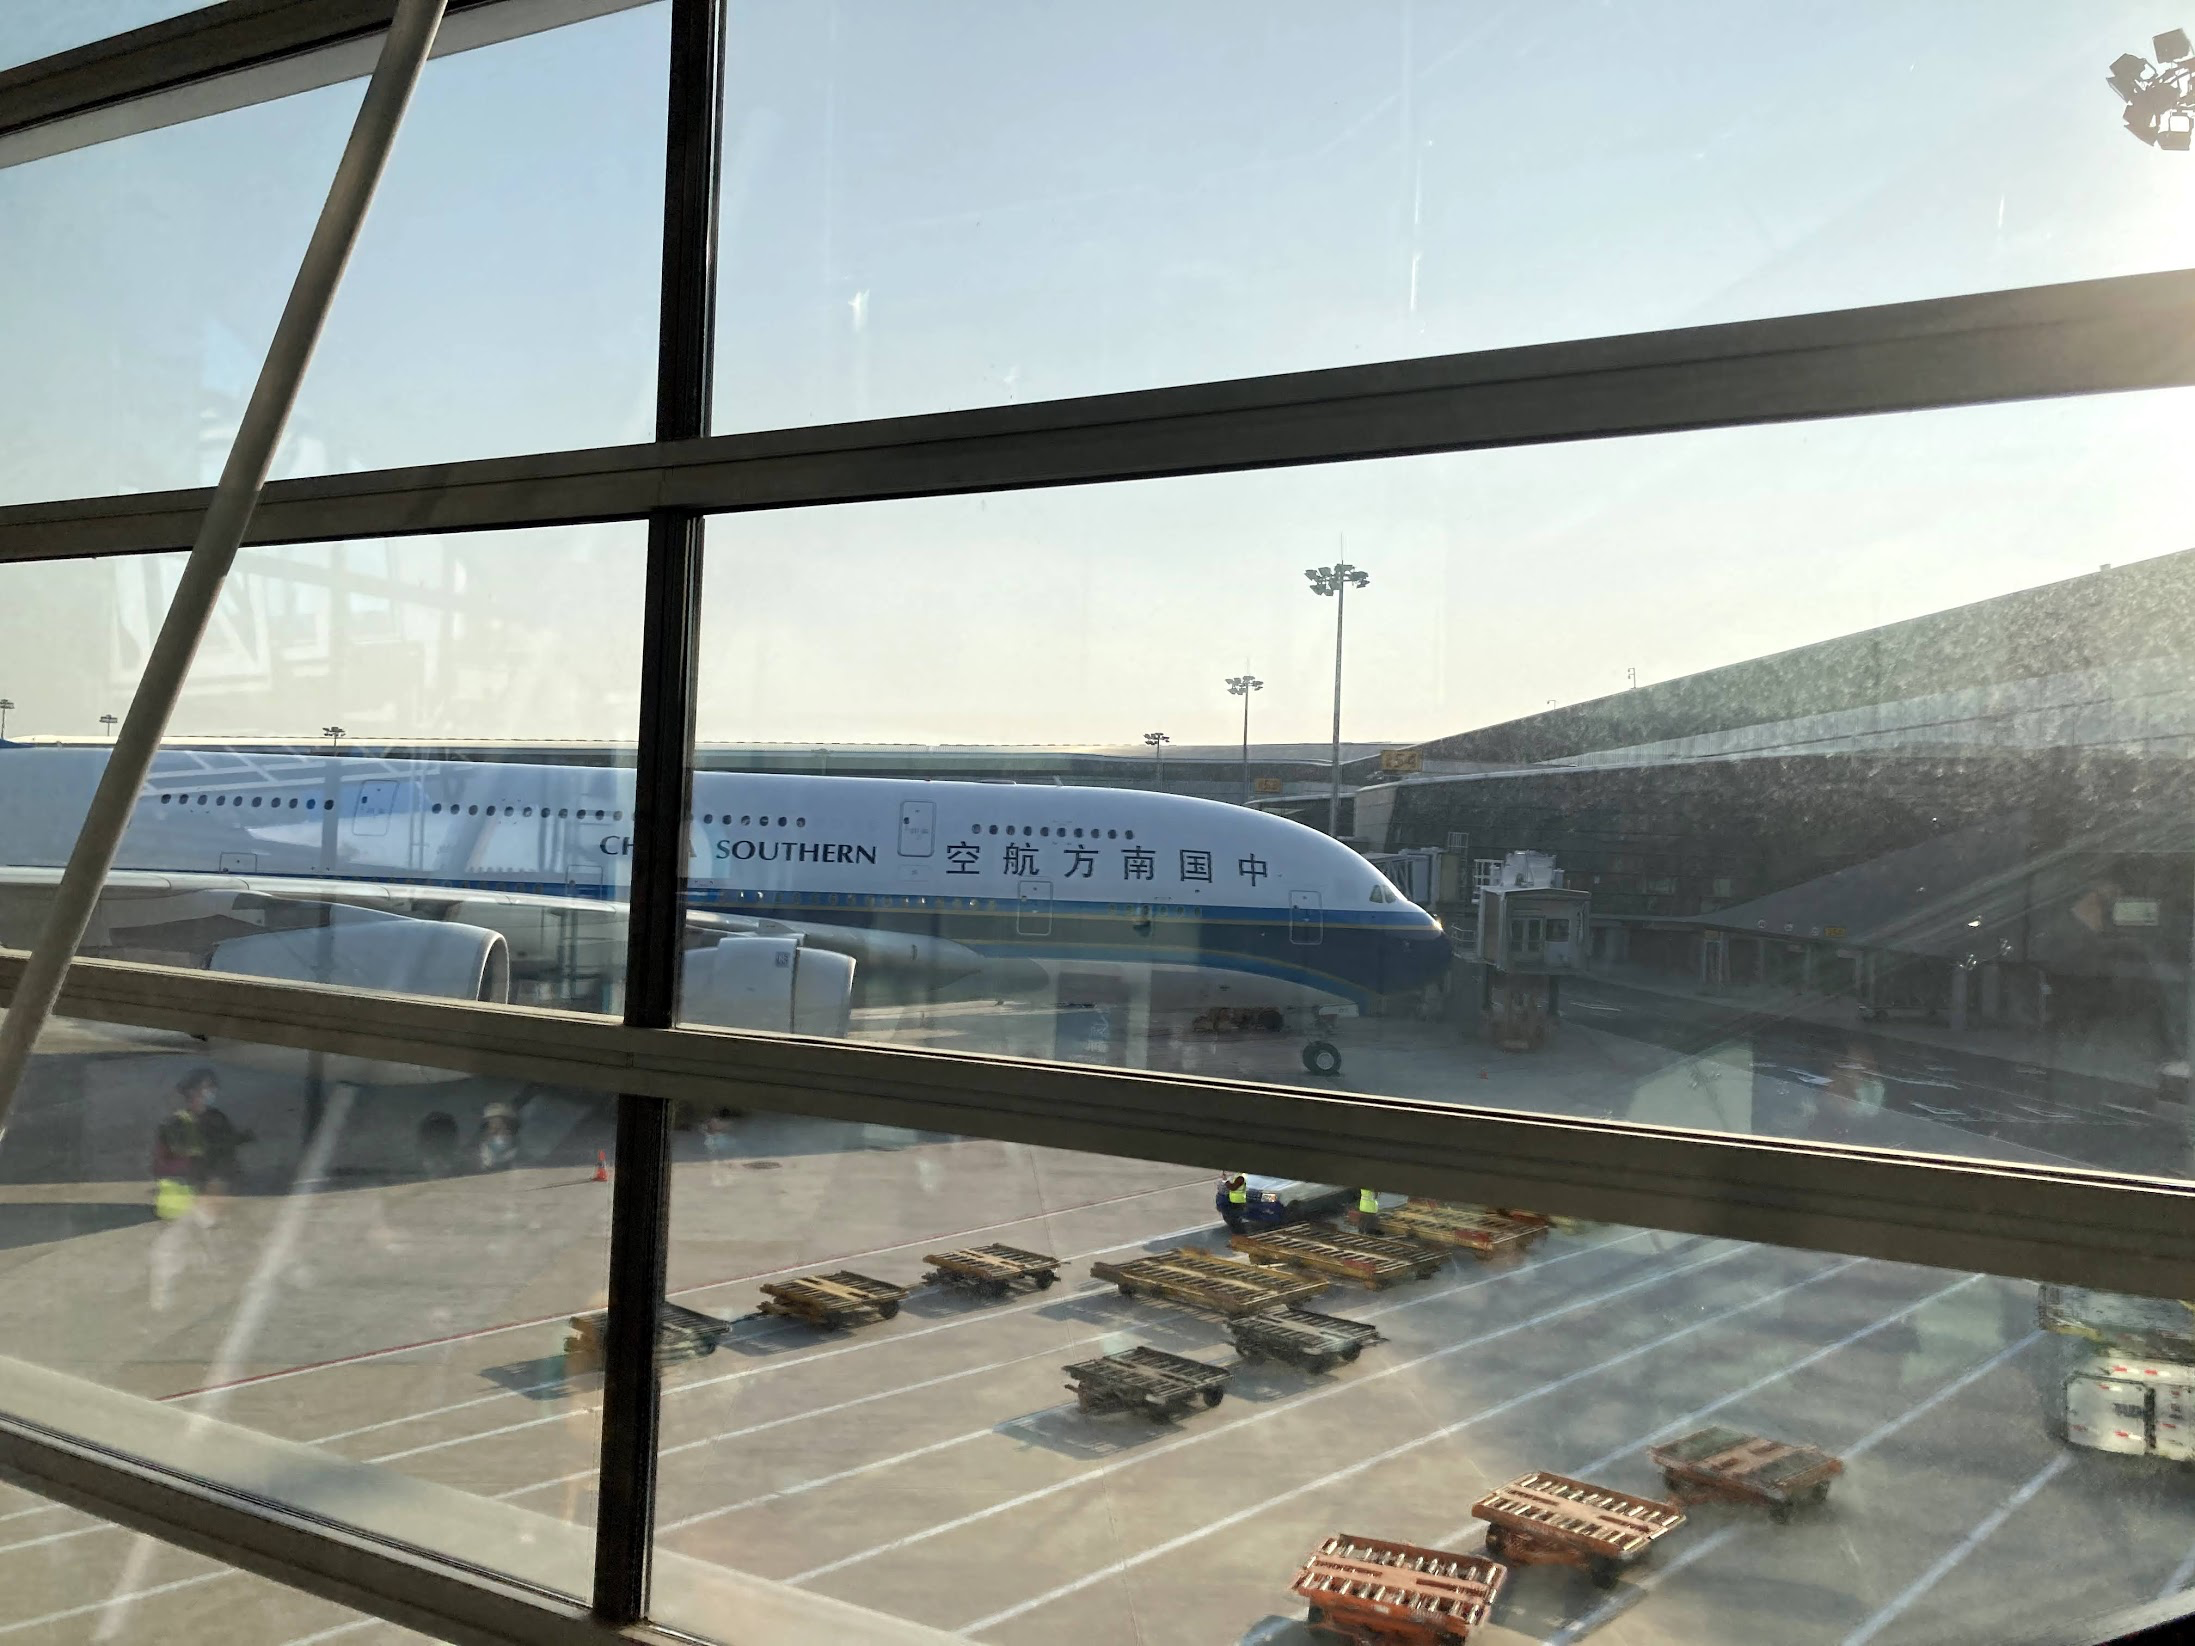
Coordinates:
558 945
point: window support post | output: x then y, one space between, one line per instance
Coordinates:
662 789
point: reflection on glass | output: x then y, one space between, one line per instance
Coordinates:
372 777
1065 201
1023 1395
485 312
376 1265
1660 799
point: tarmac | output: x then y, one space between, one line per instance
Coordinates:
935 1466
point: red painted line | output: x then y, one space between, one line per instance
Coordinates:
681 1291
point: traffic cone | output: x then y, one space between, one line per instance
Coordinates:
601 1167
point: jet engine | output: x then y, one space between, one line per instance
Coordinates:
773 983
370 952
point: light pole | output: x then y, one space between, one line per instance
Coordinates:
334 735
1336 580
1158 742
109 721
1242 685
5 705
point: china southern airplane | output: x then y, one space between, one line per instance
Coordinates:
493 882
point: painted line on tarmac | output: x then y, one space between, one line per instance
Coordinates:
973 1317
1959 1551
90 1606
1665 1273
683 1291
1395 1307
1661 1273
1678 1425
1580 1627
773 1329
1350 1471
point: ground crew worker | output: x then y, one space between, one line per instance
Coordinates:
1235 1209
179 1149
1367 1203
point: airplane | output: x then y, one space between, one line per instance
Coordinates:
488 881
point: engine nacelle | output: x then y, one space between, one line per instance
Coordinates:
383 953
371 952
773 983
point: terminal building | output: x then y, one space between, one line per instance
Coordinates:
1977 816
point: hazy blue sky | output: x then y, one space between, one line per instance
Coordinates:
955 204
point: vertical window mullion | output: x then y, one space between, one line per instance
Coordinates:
640 1214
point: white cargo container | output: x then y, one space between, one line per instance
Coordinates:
2145 1408
2130 1387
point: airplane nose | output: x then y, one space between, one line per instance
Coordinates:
1421 957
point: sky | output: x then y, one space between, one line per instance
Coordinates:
972 202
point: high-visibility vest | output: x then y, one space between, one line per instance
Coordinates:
173 1198
1238 1196
1367 1202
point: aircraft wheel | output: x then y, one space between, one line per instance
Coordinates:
1322 1057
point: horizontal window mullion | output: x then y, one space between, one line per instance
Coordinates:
2086 1228
231 56
2090 337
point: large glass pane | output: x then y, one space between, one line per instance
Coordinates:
998 1425
384 772
1886 844
933 209
502 297
236 1261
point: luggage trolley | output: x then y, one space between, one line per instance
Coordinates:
1372 1260
1544 1519
1743 1468
833 1300
1159 1385
1298 1337
991 1271
680 1334
1377 1593
1202 1280
1483 1233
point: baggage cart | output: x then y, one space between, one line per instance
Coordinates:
1372 1260
1203 1280
1159 1385
1476 1229
991 1271
1544 1519
1737 1467
1314 1342
833 1300
1377 1593
680 1334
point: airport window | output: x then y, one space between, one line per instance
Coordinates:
1865 1122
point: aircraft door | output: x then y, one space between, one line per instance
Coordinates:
1033 913
370 811
1305 917
917 828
